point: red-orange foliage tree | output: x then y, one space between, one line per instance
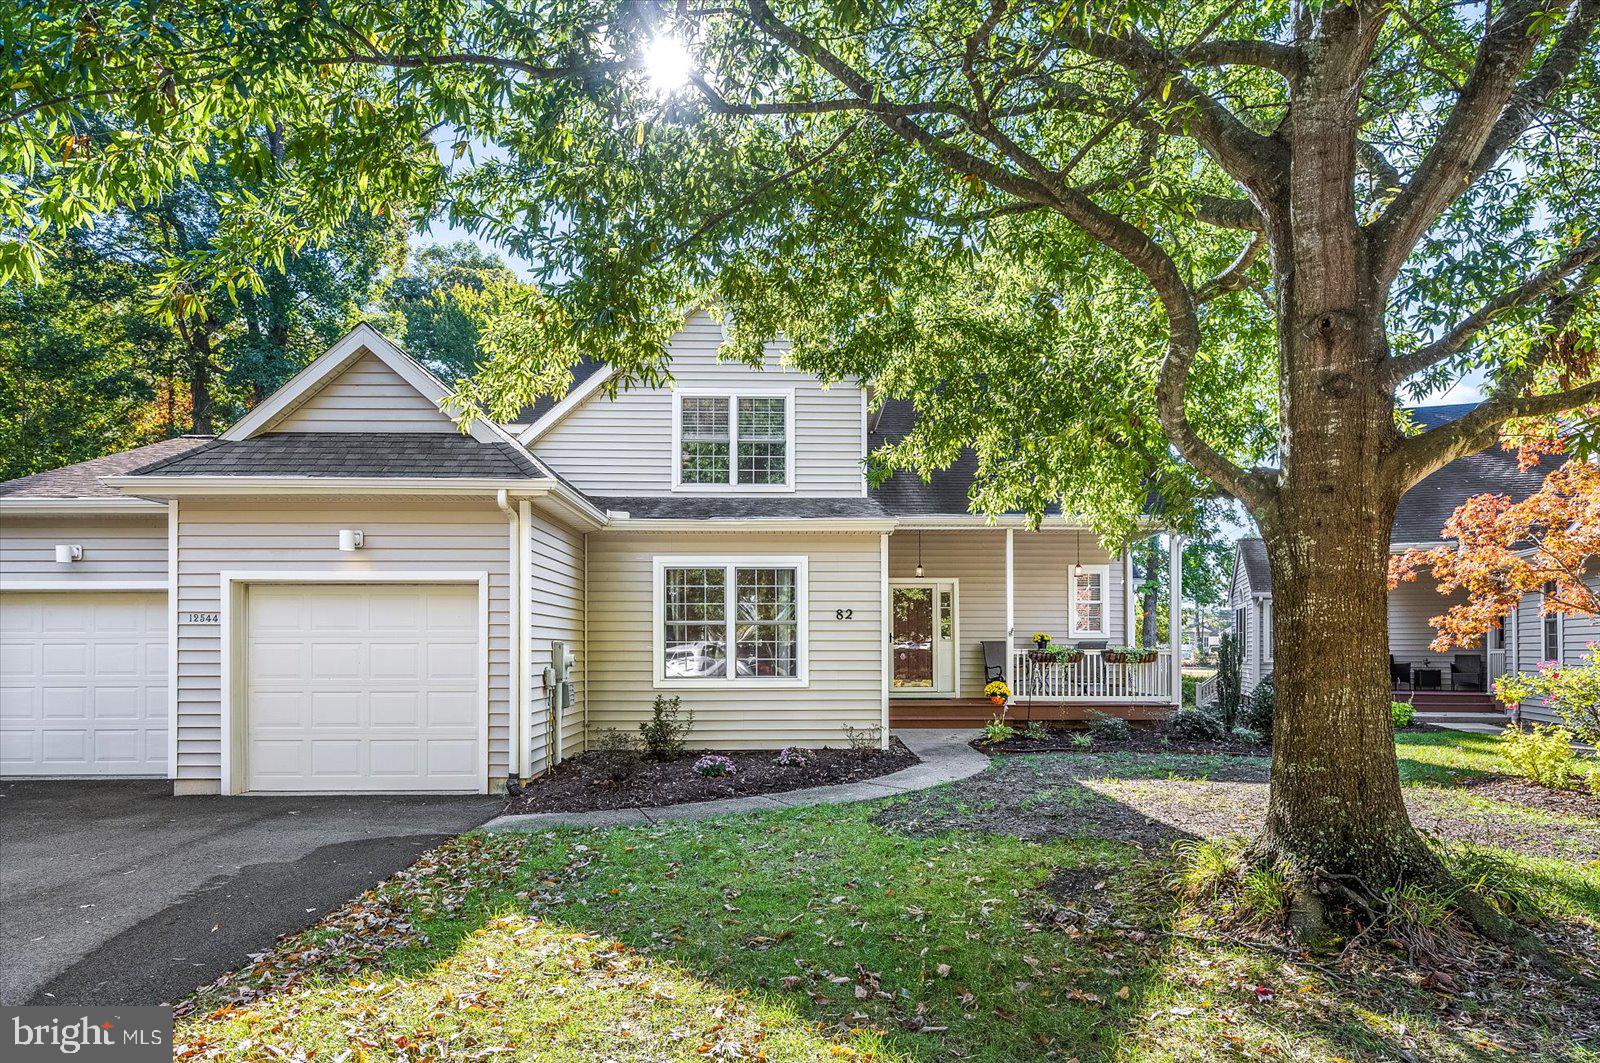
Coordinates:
1504 550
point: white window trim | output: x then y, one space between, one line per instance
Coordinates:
732 681
733 395
1266 630
1561 637
1073 628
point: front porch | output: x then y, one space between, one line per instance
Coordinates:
964 604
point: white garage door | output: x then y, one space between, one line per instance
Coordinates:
362 687
83 683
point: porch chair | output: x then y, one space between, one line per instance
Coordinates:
1466 672
1399 673
994 660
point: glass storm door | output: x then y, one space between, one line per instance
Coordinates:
923 637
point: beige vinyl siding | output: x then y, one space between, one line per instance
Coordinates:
556 614
845 656
1240 597
624 446
367 397
279 535
977 559
1526 650
120 548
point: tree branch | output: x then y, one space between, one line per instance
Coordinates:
1446 170
1225 213
1284 59
1235 276
1420 456
1398 367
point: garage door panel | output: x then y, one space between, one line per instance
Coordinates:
363 708
83 684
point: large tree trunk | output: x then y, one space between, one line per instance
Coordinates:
201 405
1148 634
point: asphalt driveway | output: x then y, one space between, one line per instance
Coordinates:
118 893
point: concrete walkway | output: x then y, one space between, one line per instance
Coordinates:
946 757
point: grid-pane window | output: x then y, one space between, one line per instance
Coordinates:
763 440
705 446
695 615
1089 602
1552 637
766 629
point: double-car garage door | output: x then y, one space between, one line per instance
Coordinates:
341 687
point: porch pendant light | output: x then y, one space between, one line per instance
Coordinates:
919 555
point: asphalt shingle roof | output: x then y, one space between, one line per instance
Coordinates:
721 507
583 370
83 479
1253 553
335 454
947 492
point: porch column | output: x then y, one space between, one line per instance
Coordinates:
886 633
1129 637
1011 614
1175 620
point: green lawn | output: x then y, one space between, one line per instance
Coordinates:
842 933
1447 756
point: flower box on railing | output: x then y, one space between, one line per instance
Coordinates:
1066 655
1131 655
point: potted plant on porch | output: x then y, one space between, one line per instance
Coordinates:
1040 654
997 692
1131 654
1065 655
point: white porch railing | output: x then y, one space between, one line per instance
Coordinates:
1205 692
1093 678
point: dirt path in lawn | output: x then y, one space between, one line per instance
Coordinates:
1153 800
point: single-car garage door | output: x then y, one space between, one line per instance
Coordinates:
83 683
362 687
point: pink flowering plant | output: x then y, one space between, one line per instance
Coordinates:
791 757
714 765
1572 690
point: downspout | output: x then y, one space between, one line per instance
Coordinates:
514 687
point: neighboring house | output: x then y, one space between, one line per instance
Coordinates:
1457 678
344 591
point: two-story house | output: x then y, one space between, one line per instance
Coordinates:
345 591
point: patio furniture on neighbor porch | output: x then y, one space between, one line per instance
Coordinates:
1466 672
1399 672
1427 679
994 660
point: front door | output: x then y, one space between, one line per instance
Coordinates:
923 635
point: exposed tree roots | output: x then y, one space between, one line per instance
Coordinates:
1417 904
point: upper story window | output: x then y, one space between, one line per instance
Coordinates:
1089 601
734 441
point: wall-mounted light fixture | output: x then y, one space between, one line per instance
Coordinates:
919 555
351 539
66 555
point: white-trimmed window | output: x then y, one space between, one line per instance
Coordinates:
1266 630
730 622
1087 608
729 441
1552 637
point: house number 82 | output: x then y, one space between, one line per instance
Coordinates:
844 614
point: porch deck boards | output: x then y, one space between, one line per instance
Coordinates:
975 712
1448 700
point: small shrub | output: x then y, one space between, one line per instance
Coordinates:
614 755
1543 754
1192 725
1206 868
997 731
792 757
1573 690
864 742
1036 732
667 733
1111 729
1256 711
714 765
1082 739
1190 682
1402 713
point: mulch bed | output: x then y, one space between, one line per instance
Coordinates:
1142 740
579 785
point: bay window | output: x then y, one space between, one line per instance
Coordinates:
730 623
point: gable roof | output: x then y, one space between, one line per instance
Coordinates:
327 367
352 454
1252 557
83 479
582 373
